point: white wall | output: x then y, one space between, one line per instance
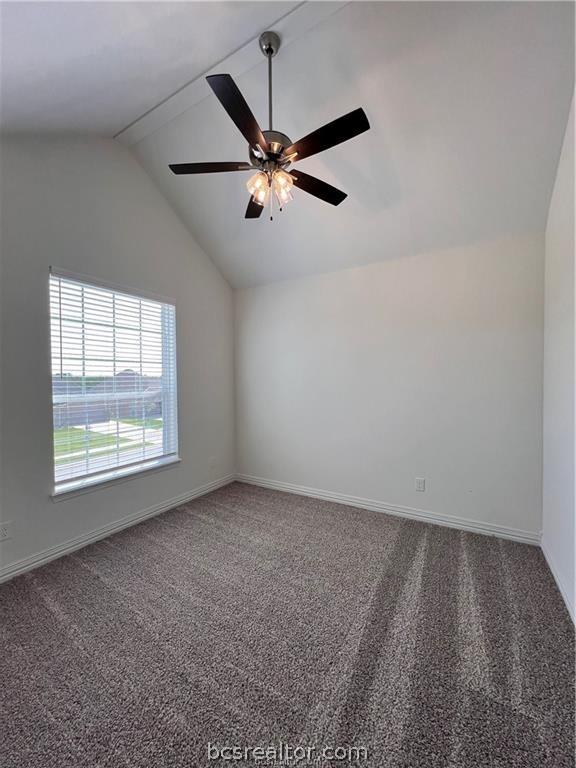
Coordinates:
88 207
558 507
359 381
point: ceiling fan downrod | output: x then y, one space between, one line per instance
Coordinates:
269 45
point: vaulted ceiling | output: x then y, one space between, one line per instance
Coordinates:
97 66
468 104
467 101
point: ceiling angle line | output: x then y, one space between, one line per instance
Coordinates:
200 77
294 24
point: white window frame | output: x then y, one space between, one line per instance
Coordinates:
104 478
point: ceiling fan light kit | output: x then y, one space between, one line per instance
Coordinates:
271 153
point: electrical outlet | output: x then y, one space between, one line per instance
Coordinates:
420 484
5 531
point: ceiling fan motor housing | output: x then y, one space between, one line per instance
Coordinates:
277 143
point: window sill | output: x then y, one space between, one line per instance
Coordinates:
71 488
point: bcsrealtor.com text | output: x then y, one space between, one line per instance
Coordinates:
286 754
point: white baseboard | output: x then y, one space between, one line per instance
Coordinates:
451 521
41 558
559 582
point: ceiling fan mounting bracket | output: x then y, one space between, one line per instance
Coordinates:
269 43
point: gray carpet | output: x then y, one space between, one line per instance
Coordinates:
250 617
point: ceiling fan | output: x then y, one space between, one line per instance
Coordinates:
271 152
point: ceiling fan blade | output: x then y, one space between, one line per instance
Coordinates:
254 210
331 134
180 168
234 103
317 187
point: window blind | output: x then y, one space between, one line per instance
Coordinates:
113 380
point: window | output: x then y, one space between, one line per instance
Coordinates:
113 382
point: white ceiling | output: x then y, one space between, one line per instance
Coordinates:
98 66
467 101
468 105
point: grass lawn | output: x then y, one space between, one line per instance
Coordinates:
71 439
101 454
148 423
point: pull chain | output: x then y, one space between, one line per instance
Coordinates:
271 202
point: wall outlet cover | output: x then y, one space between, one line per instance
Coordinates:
5 531
420 484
